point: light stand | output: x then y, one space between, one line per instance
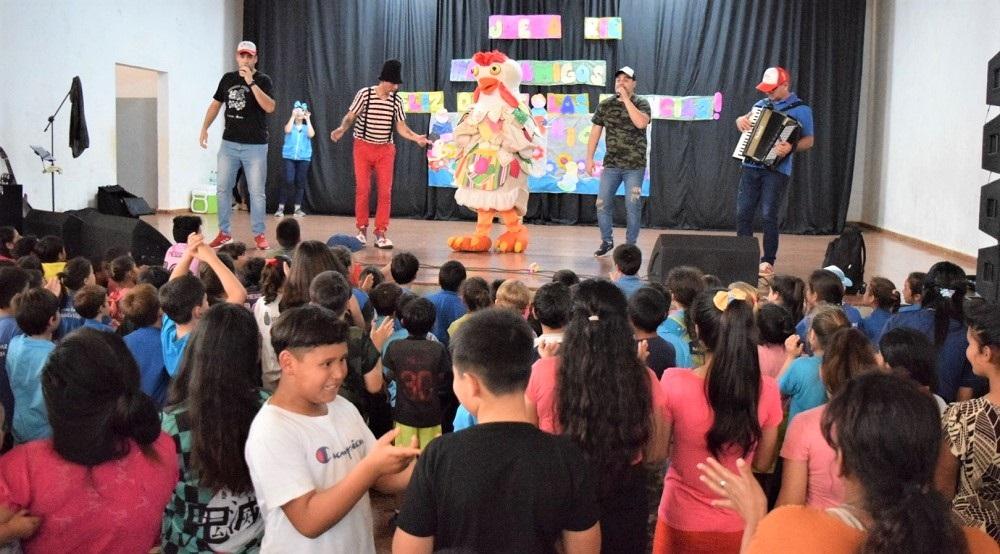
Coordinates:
52 169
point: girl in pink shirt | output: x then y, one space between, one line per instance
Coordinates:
775 324
101 482
601 395
724 409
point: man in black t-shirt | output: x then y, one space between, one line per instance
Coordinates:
502 485
246 94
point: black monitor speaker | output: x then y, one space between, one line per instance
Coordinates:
728 258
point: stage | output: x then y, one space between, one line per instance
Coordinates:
555 247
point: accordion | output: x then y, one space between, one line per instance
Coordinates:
768 128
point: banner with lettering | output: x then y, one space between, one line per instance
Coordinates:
544 72
568 103
525 26
422 102
602 28
682 108
564 159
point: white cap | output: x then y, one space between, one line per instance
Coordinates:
246 46
840 275
627 71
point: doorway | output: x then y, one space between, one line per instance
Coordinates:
137 130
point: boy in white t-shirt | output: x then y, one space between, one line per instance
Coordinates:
312 459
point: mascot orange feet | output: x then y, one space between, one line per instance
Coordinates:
478 241
516 238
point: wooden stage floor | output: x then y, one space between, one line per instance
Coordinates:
555 247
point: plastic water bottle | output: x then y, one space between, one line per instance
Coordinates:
213 179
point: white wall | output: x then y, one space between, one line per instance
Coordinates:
923 107
45 43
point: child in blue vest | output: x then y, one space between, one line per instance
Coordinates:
297 152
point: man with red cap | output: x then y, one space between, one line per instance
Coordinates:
378 109
760 184
248 98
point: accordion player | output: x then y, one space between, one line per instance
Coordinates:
768 128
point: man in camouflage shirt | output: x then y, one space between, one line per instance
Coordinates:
625 118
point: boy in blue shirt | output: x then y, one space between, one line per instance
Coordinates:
141 308
13 281
91 302
183 298
447 305
37 314
628 260
760 184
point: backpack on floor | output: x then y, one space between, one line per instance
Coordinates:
848 253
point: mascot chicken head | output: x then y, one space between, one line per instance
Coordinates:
498 79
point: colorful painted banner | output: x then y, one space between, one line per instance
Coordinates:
564 161
464 100
544 72
602 28
682 108
525 26
422 102
568 103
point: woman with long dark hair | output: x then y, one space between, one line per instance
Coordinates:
601 395
100 483
724 408
212 402
887 435
940 318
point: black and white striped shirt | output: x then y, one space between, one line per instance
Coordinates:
375 115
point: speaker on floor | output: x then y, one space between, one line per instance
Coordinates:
989 209
991 145
66 226
993 81
115 200
729 258
988 273
101 232
12 206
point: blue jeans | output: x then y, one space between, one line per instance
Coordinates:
611 177
766 187
253 158
296 172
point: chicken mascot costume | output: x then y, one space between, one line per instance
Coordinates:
499 144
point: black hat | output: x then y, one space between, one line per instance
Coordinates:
391 72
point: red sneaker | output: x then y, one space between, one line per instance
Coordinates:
220 239
261 241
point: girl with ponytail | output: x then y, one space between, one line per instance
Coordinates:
100 483
213 401
887 436
602 396
724 408
940 319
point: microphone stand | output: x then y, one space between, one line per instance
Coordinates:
52 169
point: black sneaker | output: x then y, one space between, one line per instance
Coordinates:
605 249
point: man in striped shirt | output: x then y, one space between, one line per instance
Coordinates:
376 109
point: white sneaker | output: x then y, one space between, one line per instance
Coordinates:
383 242
299 213
280 212
362 236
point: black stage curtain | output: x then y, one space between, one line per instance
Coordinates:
323 52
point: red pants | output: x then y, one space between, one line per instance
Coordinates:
381 158
667 540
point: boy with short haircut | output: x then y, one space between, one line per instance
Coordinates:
403 268
447 304
183 299
141 308
184 226
331 290
530 489
37 314
289 234
420 369
515 295
13 281
628 260
646 311
551 307
311 457
91 302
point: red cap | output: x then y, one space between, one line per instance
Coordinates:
248 47
773 78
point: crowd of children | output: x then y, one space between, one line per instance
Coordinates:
226 403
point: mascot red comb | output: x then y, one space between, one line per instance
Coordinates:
498 146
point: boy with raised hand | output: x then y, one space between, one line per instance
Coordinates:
502 485
312 459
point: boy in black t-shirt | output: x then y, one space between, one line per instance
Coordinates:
420 368
502 485
646 311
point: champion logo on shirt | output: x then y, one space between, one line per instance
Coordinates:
324 455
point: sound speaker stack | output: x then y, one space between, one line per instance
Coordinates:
728 258
115 200
90 233
988 261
